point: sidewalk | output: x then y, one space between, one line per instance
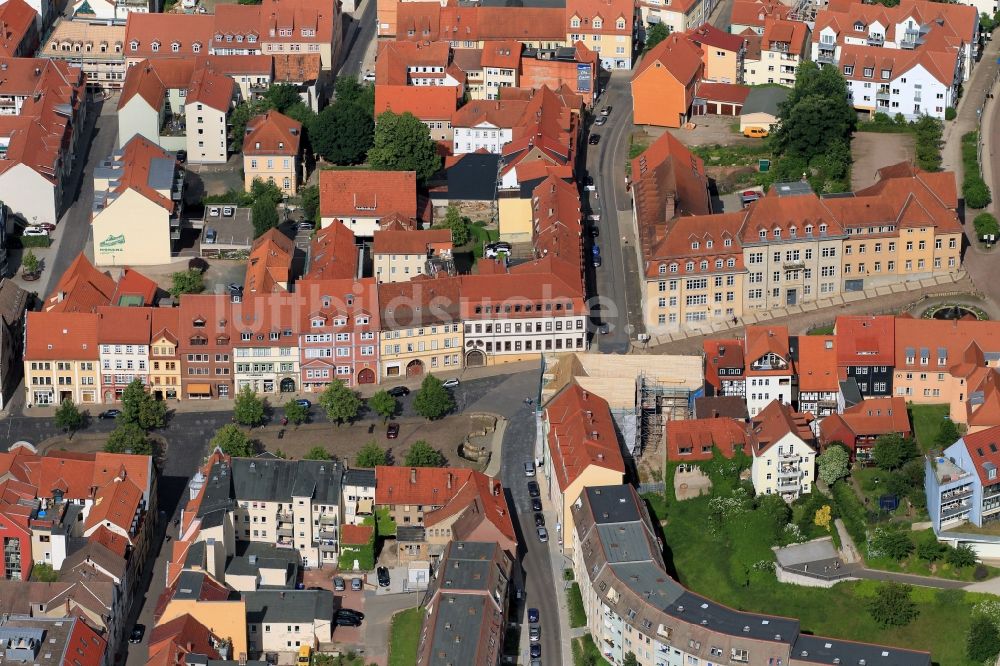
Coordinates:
970 109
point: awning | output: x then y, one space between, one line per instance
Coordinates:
366 506
200 389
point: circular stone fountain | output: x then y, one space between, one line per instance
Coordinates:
953 311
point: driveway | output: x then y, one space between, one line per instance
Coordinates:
378 619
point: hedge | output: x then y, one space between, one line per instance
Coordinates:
34 241
975 191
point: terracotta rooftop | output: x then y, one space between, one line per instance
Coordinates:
777 420
677 55
411 242
17 18
865 340
817 364
427 486
81 288
424 102
334 253
697 438
581 434
272 134
61 336
346 193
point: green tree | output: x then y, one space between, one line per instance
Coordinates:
241 115
44 573
654 35
141 407
947 433
403 143
233 441
310 202
986 225
339 402
931 550
961 556
295 413
265 189
433 400
30 265
129 438
892 451
982 643
371 455
630 659
265 217
460 234
282 96
976 192
318 453
422 454
343 133
834 464
347 90
186 282
383 404
892 543
248 409
69 417
892 606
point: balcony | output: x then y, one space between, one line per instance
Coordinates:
788 487
788 456
283 516
327 532
882 94
174 126
327 519
825 57
286 531
953 510
789 473
958 493
285 543
876 40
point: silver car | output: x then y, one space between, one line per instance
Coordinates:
356 584
543 534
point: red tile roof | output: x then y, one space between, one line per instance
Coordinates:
422 19
865 340
480 500
113 541
948 341
581 434
116 503
984 448
754 12
427 486
761 340
422 301
721 354
137 160
84 646
774 422
186 29
272 134
215 91
81 288
61 336
780 34
133 285
411 242
170 642
702 435
424 102
557 221
17 19
356 534
270 263
677 55
334 253
362 193
817 364
297 67
869 418
126 326
708 35
729 93
394 60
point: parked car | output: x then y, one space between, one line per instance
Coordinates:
346 621
606 111
369 77
182 156
601 120
594 139
302 402
595 250
392 431
138 631
536 650
755 132
503 246
534 633
338 583
536 504
110 414
48 226
233 286
597 261
748 197
533 489
383 576
350 612
529 468
594 231
356 584
398 391
211 235
543 534
532 615
34 231
450 383
305 225
539 520
603 329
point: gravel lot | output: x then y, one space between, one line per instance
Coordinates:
874 150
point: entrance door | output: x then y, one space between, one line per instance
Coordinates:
475 358
415 368
791 297
366 376
287 385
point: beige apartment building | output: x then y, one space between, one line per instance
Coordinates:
401 255
97 48
164 359
271 152
421 327
61 359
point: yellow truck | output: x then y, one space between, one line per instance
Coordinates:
305 655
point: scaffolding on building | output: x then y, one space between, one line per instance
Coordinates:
805 11
657 403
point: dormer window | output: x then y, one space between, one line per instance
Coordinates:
198 323
869 72
730 263
718 263
709 244
763 234
728 242
155 46
809 230
229 38
621 24
218 36
703 265
673 268
252 38
340 321
175 47
574 22
886 73
695 245
689 266
133 45
822 228
848 70
598 23
239 38
859 26
777 233
316 323
196 47
793 232
362 320
663 269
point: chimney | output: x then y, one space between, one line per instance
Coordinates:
449 480
669 208
413 475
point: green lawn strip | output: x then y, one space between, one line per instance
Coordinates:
404 636
738 155
709 565
926 421
577 615
585 652
821 330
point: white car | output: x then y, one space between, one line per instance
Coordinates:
35 231
450 383
369 77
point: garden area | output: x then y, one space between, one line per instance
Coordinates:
720 546
585 652
404 637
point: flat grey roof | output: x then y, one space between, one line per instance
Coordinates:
791 189
801 553
288 605
820 650
625 542
612 504
458 628
161 173
280 480
359 476
765 99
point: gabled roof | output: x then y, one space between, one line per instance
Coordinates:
774 422
865 340
215 91
870 418
581 435
677 56
422 301
270 263
424 102
81 288
722 354
816 366
708 35
480 500
755 12
126 326
363 193
779 31
17 18
984 451
557 220
61 336
140 159
272 133
761 340
115 503
334 253
428 486
411 242
134 289
701 435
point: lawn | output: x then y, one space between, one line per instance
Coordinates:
821 330
926 420
577 615
723 567
404 637
584 647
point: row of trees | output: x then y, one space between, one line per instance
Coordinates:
140 413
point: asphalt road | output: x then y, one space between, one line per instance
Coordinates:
616 282
358 34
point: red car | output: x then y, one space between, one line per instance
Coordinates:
392 431
48 226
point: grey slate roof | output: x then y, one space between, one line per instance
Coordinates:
473 178
218 490
612 504
467 568
410 533
189 585
765 100
278 480
820 650
728 406
288 606
458 628
265 556
359 476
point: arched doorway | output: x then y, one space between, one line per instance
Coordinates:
475 358
415 368
287 385
366 376
109 397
